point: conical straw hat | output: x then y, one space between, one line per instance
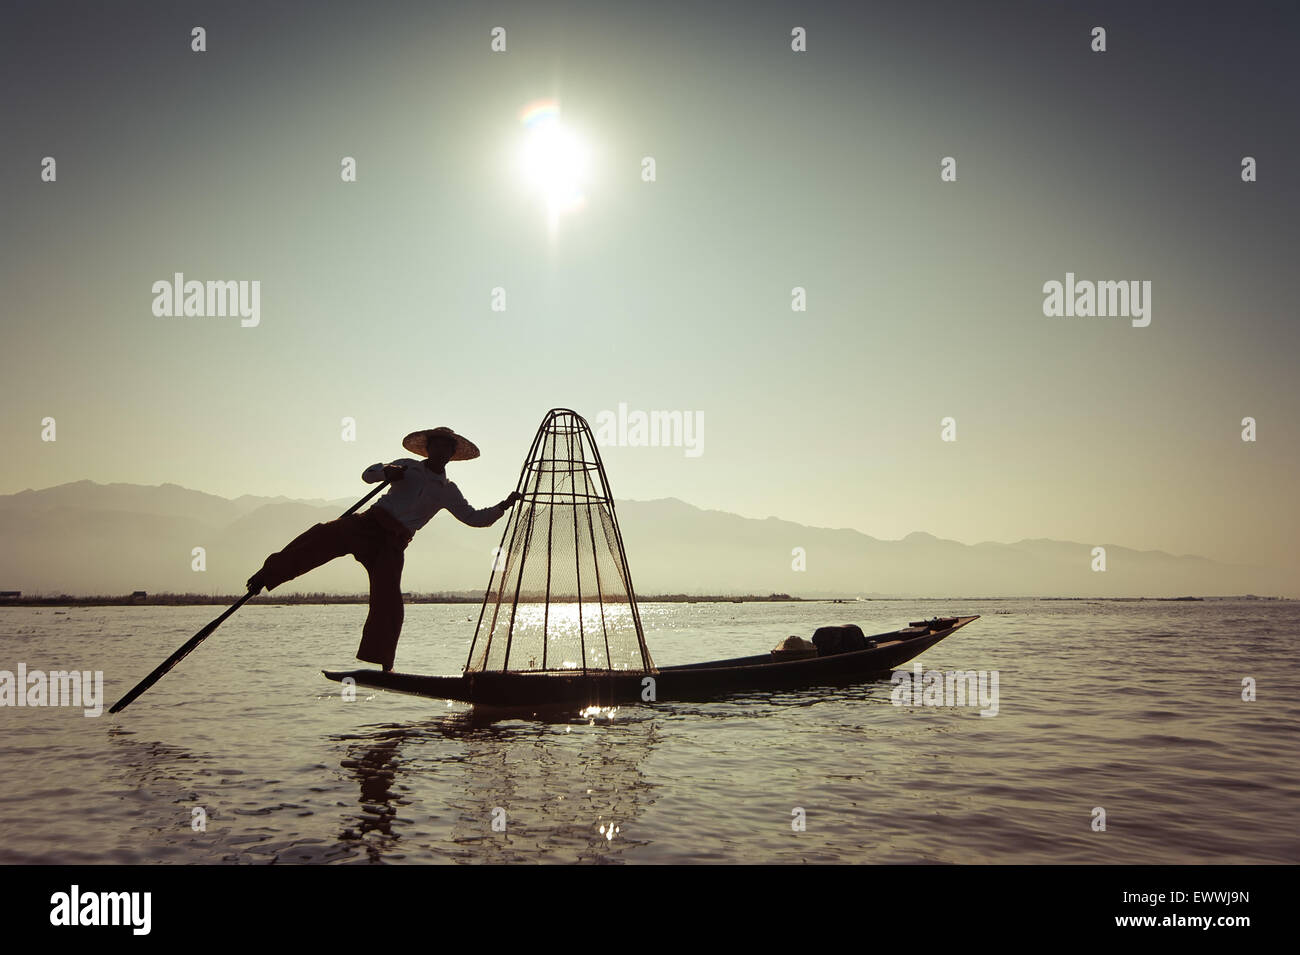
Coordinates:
417 442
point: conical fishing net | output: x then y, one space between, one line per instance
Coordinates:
561 597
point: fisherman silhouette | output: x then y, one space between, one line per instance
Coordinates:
377 537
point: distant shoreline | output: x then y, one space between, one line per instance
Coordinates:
323 599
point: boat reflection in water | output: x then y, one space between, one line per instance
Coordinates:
567 789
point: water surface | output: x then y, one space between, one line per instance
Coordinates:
1132 707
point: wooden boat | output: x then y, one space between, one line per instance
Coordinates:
690 682
561 590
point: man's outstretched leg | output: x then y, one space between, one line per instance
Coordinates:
315 546
384 623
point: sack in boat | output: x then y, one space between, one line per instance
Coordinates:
840 639
794 648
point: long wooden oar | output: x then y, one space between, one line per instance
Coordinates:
206 632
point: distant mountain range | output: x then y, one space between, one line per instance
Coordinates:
87 538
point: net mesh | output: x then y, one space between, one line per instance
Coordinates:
560 596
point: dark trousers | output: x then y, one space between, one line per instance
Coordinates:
378 541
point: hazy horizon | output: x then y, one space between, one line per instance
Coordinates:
86 538
347 501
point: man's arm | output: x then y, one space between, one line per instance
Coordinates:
476 517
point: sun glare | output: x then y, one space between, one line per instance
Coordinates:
553 160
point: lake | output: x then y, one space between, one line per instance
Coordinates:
1134 708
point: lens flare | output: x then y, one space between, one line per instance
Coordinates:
553 160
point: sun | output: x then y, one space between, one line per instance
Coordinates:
554 161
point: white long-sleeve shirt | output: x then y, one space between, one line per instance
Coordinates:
422 493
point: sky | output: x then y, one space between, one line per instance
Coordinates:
775 169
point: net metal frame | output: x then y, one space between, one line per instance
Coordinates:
562 450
